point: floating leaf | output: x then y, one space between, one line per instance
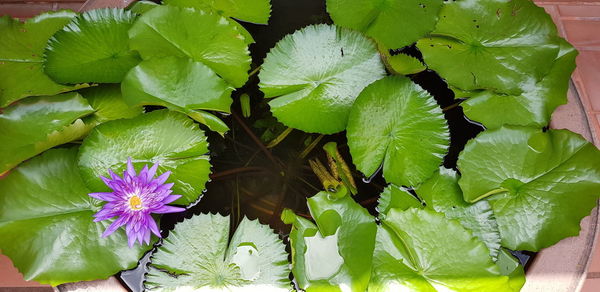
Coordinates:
36 124
256 11
421 250
177 83
336 253
204 37
491 44
395 24
169 138
21 51
315 74
254 260
549 180
47 228
108 104
397 123
92 48
403 64
441 193
534 106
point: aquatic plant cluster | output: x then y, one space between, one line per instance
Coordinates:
87 97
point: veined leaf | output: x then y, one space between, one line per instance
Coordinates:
254 259
256 11
141 7
491 44
202 36
21 56
421 250
549 180
393 23
47 228
93 47
169 138
397 123
534 106
315 74
394 197
335 253
35 124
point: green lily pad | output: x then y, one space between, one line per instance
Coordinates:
442 194
336 253
36 124
93 47
180 84
255 11
534 106
395 24
403 64
21 56
202 36
549 180
491 44
397 123
315 74
169 138
108 104
254 258
421 250
47 228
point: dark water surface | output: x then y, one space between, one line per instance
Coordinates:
248 182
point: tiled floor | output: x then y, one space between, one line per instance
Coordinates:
578 21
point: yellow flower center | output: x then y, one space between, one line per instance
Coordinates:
135 203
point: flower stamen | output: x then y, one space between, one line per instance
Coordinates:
135 203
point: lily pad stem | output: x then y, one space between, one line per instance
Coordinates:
492 192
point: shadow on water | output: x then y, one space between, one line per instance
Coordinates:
246 181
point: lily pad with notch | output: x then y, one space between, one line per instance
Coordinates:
491 44
93 47
422 250
396 123
549 180
315 74
46 216
255 11
253 260
202 36
169 138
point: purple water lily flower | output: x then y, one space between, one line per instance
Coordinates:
133 199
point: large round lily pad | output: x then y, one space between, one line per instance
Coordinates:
397 123
394 24
47 228
548 180
421 250
491 44
93 47
202 36
316 73
198 255
169 138
534 106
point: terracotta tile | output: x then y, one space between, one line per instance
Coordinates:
553 11
582 33
24 10
594 268
588 65
10 276
591 285
579 10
